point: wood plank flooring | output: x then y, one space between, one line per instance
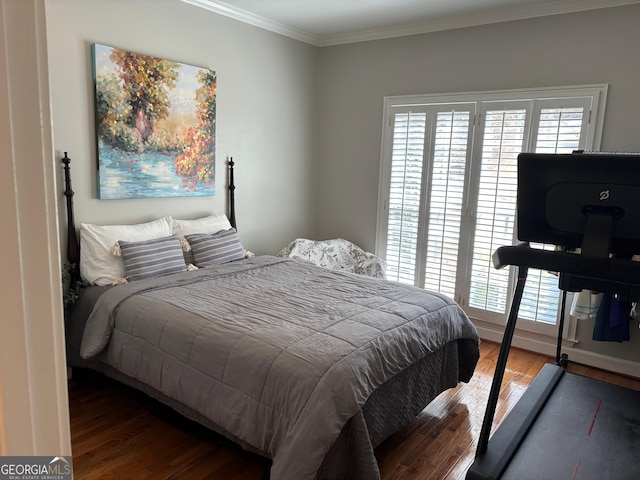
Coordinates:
117 433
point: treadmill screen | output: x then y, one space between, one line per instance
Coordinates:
562 196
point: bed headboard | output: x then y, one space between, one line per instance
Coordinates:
73 245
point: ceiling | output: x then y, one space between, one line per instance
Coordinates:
331 22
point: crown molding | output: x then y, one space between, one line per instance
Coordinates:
463 21
502 15
244 16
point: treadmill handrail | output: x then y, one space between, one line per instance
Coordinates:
619 270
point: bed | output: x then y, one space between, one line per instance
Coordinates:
309 367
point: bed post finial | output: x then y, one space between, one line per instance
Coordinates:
73 248
232 201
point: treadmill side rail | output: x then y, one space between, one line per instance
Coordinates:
507 438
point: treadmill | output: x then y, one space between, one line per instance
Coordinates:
567 426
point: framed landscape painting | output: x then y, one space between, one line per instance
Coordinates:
155 126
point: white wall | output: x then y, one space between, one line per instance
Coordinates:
34 415
598 46
266 111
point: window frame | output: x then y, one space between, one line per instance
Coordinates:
480 101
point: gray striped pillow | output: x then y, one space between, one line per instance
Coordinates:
215 249
152 258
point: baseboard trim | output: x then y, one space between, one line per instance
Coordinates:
547 346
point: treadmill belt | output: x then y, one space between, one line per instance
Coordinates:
588 429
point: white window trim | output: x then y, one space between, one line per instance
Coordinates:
393 104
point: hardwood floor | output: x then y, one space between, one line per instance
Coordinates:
117 433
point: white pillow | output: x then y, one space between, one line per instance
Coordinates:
98 265
211 224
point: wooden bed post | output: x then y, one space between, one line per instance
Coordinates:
232 202
73 247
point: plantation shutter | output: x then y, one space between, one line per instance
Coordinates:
449 187
503 140
407 154
561 129
446 200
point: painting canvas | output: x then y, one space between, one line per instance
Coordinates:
155 124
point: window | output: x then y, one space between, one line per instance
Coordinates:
448 189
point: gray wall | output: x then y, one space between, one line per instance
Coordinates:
598 46
266 111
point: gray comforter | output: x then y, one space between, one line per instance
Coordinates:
279 353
